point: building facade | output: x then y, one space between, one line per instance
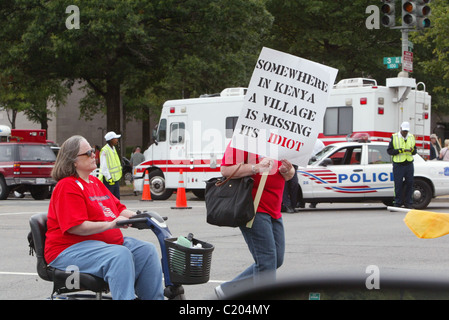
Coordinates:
67 121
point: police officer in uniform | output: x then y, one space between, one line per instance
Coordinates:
110 164
402 148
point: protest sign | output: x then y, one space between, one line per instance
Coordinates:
284 107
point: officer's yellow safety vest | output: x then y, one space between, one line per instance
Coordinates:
400 143
113 162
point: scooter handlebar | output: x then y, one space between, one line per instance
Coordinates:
140 220
139 223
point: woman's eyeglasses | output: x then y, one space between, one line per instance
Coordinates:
88 153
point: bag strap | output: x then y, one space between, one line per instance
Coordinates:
220 183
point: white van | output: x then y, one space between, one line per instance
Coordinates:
191 136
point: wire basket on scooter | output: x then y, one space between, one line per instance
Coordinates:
189 265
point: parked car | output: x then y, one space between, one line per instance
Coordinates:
26 167
362 171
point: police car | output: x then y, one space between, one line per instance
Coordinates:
362 171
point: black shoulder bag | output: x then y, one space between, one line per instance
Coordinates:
229 202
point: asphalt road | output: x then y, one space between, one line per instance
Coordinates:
330 239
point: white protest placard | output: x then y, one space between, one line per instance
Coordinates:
284 107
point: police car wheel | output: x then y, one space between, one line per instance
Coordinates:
422 194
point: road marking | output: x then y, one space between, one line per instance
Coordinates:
17 213
18 273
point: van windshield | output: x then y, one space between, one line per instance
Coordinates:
37 152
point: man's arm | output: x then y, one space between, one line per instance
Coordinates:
391 150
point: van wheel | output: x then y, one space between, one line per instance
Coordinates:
4 190
422 194
157 186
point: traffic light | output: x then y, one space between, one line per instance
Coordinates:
388 10
423 13
415 13
409 11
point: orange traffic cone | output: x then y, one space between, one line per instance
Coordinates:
146 194
181 202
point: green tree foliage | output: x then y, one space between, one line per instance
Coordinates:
37 99
334 33
142 52
124 47
432 59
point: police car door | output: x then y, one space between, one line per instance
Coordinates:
342 177
378 171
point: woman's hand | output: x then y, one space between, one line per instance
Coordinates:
265 165
121 218
287 170
88 228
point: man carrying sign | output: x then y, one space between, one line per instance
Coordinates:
280 120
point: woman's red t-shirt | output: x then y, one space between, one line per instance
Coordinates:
271 199
74 201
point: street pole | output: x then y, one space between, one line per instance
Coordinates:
404 32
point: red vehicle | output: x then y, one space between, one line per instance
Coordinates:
26 166
23 135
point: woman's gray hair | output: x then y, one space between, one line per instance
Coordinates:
65 161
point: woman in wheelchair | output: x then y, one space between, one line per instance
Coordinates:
82 229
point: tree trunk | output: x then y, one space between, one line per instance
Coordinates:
44 122
12 118
113 115
146 131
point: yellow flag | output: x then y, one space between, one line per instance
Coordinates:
426 224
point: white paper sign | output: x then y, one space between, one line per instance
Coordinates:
284 107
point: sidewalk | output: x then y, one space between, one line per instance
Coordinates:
128 192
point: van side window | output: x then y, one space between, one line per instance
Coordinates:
162 131
177 132
230 125
338 121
